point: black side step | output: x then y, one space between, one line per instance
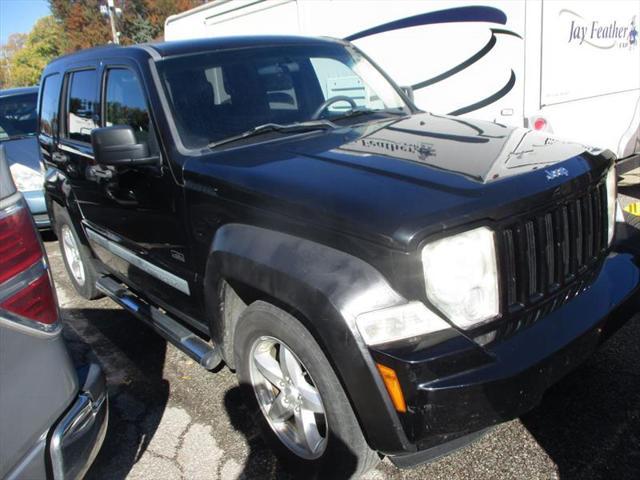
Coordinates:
202 352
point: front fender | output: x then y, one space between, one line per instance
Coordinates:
329 288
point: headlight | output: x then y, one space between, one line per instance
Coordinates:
26 179
461 276
398 323
612 196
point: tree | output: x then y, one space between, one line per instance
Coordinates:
42 44
83 24
159 10
141 20
78 24
15 42
134 24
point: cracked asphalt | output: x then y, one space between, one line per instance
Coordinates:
171 419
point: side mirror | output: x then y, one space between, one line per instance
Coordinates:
117 146
408 91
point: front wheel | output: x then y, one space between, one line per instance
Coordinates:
304 413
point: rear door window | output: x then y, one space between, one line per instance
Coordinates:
50 105
81 105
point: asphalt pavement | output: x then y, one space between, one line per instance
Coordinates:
171 419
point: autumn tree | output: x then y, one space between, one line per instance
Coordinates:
78 24
41 45
14 44
159 10
83 24
141 20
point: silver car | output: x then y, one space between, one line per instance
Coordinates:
18 126
53 416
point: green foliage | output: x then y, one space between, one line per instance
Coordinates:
43 43
14 43
78 24
137 28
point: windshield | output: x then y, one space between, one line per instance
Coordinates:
218 95
18 116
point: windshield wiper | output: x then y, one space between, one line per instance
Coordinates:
276 127
366 111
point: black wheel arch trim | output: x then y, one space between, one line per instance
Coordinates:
329 288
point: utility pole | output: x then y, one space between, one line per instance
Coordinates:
111 9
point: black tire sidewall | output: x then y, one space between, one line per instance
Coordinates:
347 453
88 290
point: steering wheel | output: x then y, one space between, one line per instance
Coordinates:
330 101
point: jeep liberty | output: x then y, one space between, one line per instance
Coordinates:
384 281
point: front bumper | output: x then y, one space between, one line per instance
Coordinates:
78 435
454 387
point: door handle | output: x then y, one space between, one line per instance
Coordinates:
59 158
111 195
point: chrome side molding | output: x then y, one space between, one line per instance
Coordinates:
167 277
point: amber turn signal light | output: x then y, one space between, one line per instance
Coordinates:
392 385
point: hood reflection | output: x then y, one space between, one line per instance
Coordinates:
483 151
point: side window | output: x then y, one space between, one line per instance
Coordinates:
125 102
50 104
80 106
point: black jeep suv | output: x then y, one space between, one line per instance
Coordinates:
384 281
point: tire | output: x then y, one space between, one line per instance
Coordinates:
263 331
79 263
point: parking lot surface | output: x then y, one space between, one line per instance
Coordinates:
171 419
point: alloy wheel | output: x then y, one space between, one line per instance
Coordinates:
72 255
288 397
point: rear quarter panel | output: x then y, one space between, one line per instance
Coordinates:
37 384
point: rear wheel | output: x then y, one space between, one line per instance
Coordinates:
304 414
77 259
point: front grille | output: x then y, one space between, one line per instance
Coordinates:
548 251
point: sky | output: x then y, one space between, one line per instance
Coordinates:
18 16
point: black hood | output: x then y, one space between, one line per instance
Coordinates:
397 180
481 151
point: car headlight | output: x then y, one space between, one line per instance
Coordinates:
398 323
612 196
461 276
26 179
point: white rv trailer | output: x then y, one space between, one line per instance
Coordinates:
567 67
